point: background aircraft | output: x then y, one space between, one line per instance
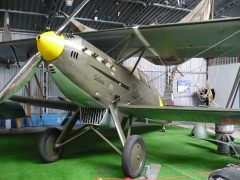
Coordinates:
104 93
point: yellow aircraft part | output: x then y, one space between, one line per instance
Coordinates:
50 45
160 102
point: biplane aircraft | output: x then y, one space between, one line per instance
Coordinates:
87 67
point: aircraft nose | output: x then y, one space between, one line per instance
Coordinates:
50 45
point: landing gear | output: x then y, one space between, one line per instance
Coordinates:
134 156
48 152
134 151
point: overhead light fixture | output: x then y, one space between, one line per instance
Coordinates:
69 2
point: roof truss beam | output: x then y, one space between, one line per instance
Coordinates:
171 7
58 16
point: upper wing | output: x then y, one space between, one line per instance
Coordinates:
54 104
175 113
216 38
24 48
10 109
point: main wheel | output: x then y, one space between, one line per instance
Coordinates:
134 156
48 153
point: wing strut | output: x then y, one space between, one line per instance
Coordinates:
139 58
142 39
130 55
118 125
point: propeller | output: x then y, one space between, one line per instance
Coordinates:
74 13
45 43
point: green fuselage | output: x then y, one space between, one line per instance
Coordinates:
88 77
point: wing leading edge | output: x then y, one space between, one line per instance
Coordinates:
174 113
47 103
12 109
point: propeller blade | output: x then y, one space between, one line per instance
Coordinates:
81 27
21 78
74 13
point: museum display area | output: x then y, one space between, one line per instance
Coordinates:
180 155
125 89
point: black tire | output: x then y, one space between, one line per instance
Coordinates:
134 156
46 148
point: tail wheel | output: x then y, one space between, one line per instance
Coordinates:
47 150
134 156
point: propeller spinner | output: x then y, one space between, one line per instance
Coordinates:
50 45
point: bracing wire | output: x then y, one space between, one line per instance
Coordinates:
196 55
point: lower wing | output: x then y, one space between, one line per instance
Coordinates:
177 113
47 103
12 109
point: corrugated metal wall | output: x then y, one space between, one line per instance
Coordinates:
222 73
17 35
5 73
193 71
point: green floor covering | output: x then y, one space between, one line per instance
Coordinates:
181 157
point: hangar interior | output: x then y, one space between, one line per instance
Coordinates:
178 85
29 18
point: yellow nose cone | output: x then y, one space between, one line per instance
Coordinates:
50 45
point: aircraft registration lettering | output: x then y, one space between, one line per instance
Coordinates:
99 79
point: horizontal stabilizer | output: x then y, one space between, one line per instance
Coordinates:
10 110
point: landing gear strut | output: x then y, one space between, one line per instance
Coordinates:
134 151
133 154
